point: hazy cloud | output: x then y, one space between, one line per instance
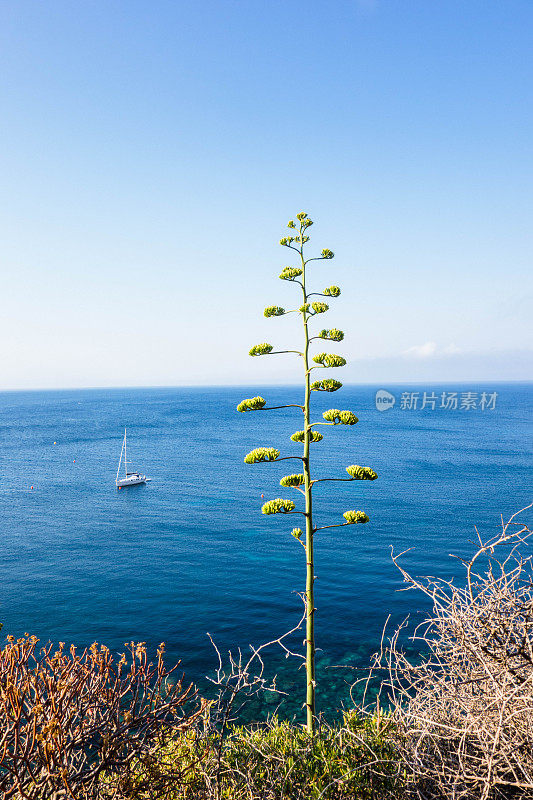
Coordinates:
451 350
430 350
421 350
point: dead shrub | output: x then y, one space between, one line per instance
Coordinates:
464 712
77 726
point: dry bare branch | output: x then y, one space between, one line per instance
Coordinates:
463 712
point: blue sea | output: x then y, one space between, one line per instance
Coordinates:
190 552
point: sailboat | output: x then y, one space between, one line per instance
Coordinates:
129 478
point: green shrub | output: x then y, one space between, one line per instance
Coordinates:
353 760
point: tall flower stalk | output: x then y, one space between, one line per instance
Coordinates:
303 482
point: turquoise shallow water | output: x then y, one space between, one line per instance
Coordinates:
190 552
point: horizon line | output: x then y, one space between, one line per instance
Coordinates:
382 384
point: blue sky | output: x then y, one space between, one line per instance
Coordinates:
152 153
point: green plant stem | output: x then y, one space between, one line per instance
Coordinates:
272 408
310 577
322 480
279 352
340 525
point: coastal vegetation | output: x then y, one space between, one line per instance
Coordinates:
456 722
304 481
77 725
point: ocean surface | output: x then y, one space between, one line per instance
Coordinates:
190 552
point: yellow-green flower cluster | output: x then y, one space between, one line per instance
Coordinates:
252 404
261 349
340 417
355 517
348 418
329 360
304 220
327 385
305 223
332 291
297 533
327 253
305 308
361 473
292 480
299 436
334 334
319 308
278 506
290 273
273 311
261 454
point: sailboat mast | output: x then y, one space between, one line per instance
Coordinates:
125 454
120 461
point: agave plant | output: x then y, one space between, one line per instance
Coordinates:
304 482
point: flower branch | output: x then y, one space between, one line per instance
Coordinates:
303 482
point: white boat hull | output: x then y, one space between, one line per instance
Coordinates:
131 480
